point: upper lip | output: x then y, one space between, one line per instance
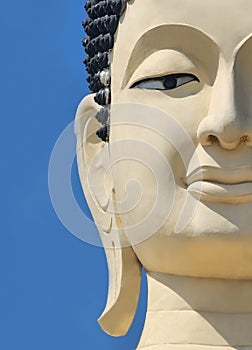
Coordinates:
225 176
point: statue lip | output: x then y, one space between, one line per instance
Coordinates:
224 185
226 176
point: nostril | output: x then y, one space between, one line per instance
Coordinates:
244 139
212 139
227 144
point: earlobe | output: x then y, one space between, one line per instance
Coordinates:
124 287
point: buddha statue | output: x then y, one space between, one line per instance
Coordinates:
164 148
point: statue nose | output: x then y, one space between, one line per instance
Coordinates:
225 124
224 131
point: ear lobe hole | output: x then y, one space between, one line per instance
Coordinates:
212 139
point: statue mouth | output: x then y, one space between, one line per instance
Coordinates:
223 185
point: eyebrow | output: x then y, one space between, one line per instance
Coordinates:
183 38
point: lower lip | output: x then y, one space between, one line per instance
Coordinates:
215 192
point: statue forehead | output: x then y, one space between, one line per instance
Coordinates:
227 22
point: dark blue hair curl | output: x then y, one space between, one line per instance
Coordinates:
100 26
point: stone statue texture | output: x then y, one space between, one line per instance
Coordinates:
164 147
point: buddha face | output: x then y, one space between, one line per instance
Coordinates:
190 62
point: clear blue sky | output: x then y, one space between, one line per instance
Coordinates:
45 300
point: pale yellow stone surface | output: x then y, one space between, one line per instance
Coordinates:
199 276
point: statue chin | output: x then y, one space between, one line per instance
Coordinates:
168 177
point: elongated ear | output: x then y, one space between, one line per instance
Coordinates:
123 266
93 160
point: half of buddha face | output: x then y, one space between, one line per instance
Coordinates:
173 187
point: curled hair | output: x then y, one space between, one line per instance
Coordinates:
100 27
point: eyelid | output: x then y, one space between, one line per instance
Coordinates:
162 63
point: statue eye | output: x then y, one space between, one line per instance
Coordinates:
168 82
